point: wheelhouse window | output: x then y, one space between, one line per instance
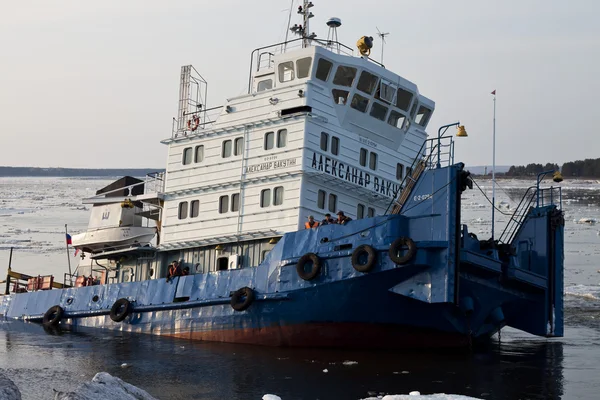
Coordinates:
396 119
281 138
324 141
226 149
423 116
373 161
321 199
265 198
303 67
199 154
195 208
403 99
363 157
269 140
323 69
183 209
278 196
239 146
335 145
378 111
360 211
344 76
359 102
399 171
223 204
235 202
367 82
286 71
340 97
332 202
265 84
187 156
386 92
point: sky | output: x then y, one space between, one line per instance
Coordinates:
95 84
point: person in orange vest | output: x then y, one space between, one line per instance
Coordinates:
174 270
311 223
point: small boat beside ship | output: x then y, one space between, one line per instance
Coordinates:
322 129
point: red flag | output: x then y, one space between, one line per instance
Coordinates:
494 92
68 239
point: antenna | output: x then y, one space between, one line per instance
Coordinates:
304 30
382 36
332 37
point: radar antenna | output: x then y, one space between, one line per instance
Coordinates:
382 36
303 30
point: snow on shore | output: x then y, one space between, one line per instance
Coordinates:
105 387
8 389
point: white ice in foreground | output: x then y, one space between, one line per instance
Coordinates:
418 396
8 389
271 397
105 387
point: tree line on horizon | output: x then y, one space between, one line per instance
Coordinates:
588 168
74 172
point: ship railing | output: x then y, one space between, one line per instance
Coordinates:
154 182
205 120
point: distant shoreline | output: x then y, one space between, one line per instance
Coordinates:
8 172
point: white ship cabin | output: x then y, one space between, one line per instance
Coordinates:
319 131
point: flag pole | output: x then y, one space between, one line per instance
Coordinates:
494 166
68 257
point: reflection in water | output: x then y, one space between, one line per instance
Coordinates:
179 369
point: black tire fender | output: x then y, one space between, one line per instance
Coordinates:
53 316
314 271
242 298
397 245
120 310
371 258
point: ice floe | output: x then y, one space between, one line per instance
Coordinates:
104 387
8 389
415 395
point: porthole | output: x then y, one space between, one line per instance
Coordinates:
70 300
95 298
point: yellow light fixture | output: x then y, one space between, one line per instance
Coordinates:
462 132
364 45
273 240
219 247
557 177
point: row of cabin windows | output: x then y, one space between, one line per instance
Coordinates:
368 155
331 201
225 205
196 153
327 145
270 139
287 72
400 171
237 145
194 209
360 211
277 197
372 85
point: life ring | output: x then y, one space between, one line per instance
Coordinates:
120 310
196 122
357 263
53 316
242 298
314 271
397 246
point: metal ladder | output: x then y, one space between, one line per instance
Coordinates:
518 217
410 183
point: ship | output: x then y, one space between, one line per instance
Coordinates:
232 241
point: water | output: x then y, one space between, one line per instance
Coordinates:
33 212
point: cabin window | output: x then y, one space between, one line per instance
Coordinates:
222 263
399 171
226 149
323 69
281 138
396 119
303 67
235 202
332 202
278 196
409 172
265 198
344 76
286 71
363 157
321 199
264 85
373 161
371 212
324 141
335 145
423 116
269 140
223 204
239 146
340 97
367 82
360 211
183 209
199 154
378 111
359 103
386 92
187 156
195 208
403 99
263 255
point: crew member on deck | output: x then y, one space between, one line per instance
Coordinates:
311 223
328 220
342 219
186 271
174 270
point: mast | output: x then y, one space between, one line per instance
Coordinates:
494 166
